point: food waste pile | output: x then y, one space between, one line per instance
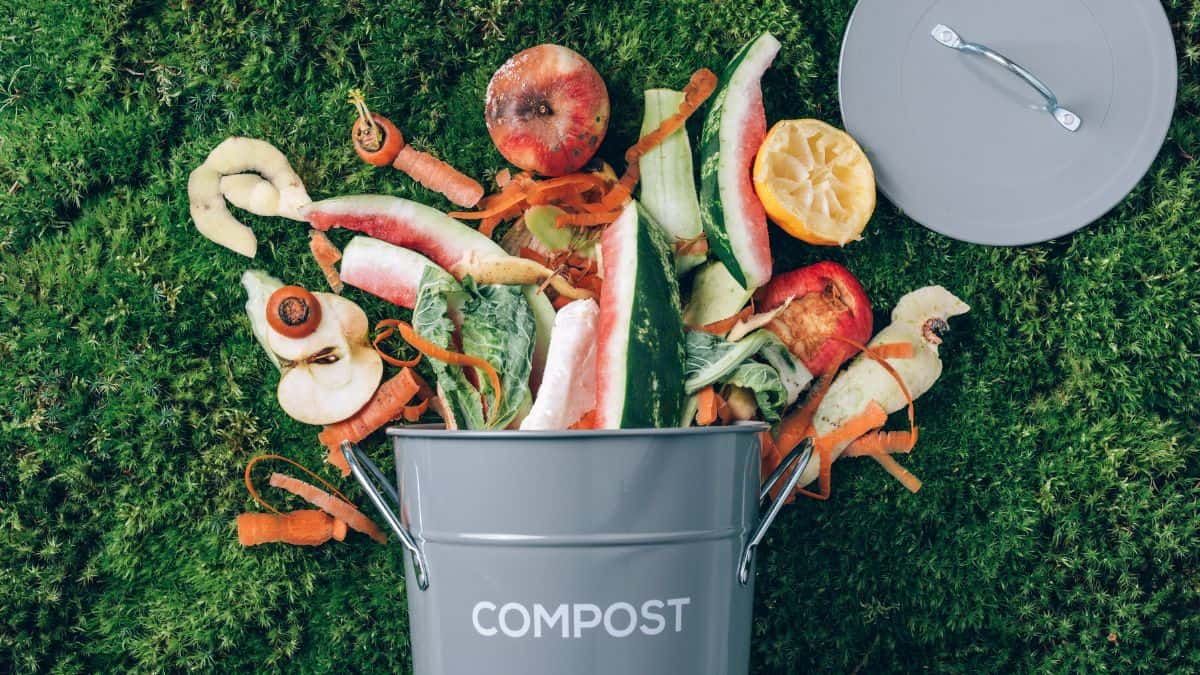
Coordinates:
644 299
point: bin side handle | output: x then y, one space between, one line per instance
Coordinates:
798 460
372 480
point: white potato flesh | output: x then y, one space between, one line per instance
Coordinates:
865 380
238 155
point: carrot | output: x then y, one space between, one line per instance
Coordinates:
326 254
701 85
422 167
892 350
723 326
494 209
340 509
503 177
439 176
881 443
706 410
376 140
454 358
898 472
587 219
308 527
384 406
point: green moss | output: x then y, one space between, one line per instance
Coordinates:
1060 451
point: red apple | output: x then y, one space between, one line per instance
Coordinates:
547 110
825 301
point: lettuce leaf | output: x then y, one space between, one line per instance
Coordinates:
498 327
496 324
776 384
439 299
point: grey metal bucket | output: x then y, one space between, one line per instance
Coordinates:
584 552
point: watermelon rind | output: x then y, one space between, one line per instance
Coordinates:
640 342
734 220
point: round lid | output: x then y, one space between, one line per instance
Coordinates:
1008 122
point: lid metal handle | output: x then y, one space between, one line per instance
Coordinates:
947 36
796 459
372 481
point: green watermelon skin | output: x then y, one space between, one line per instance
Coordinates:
733 218
640 340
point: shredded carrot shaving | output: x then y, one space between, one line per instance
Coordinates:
872 417
454 358
338 508
262 458
701 85
385 405
706 410
623 190
487 226
724 412
794 427
769 453
723 326
892 350
581 182
881 442
586 219
494 209
412 413
503 177
898 472
384 334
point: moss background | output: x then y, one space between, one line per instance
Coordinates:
1058 527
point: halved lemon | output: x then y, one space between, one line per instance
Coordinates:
815 182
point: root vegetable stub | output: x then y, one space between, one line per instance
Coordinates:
308 527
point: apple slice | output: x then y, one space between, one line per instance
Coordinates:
329 374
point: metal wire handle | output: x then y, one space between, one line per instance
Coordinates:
372 481
947 36
796 459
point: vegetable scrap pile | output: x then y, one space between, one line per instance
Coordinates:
574 297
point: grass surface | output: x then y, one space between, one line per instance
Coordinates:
1058 528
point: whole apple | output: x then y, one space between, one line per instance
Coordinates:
547 110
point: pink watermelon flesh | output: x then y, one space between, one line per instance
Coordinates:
754 131
404 223
382 269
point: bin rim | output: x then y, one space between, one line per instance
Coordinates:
424 431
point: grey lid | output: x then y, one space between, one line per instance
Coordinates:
969 149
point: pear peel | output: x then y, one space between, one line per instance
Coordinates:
330 374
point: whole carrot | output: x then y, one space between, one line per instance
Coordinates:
378 142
